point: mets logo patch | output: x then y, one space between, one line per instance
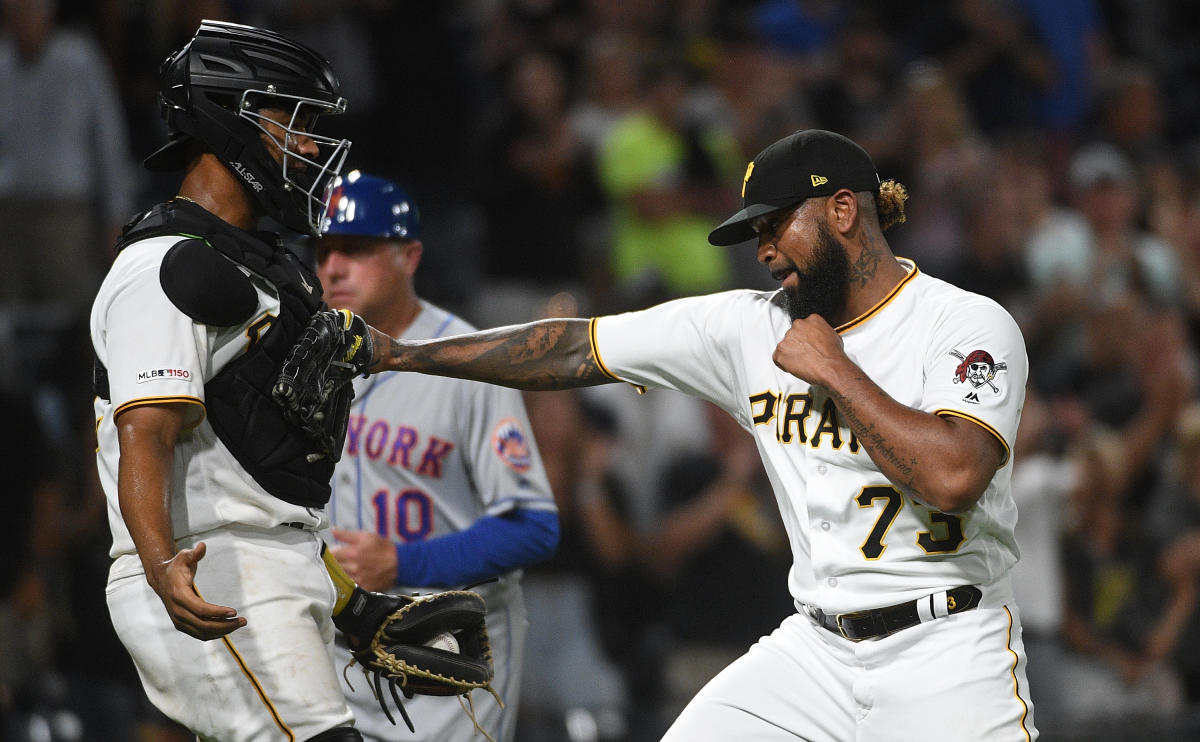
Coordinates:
511 445
977 368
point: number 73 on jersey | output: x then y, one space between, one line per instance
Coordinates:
944 536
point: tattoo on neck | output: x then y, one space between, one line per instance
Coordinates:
868 260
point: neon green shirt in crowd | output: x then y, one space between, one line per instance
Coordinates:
640 152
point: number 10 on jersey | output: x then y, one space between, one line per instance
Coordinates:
408 515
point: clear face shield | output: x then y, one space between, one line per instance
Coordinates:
308 178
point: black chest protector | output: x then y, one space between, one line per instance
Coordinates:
238 398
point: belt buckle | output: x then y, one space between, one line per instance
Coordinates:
842 629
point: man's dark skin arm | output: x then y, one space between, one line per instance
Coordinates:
539 356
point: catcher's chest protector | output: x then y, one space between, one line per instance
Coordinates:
238 399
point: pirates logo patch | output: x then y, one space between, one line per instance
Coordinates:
509 442
978 369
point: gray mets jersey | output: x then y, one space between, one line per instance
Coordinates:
427 456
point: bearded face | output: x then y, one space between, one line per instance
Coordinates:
823 284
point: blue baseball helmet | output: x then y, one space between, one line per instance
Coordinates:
371 206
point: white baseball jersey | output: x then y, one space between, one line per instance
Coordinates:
858 540
236 688
427 456
154 353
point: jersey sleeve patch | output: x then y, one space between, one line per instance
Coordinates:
979 373
206 286
511 444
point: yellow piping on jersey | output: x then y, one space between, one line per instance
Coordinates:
262 694
142 401
982 424
1016 683
600 362
885 300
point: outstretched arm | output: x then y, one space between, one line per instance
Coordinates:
539 356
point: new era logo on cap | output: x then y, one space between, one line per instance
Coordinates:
808 163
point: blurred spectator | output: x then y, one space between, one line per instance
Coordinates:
66 181
656 428
1044 473
720 535
799 27
1129 113
585 601
609 86
758 96
536 183
1102 251
1110 609
1073 33
666 178
854 97
993 54
30 581
946 161
994 229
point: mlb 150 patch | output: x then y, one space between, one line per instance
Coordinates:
157 374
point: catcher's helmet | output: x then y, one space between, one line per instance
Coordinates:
212 90
371 206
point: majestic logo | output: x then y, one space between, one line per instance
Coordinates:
307 286
247 176
977 368
511 446
156 374
818 180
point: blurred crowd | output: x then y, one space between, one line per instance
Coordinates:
570 157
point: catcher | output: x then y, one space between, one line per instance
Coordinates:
214 498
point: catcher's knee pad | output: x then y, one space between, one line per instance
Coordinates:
338 734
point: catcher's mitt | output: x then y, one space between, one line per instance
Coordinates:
313 383
390 636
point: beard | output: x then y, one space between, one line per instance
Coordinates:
822 287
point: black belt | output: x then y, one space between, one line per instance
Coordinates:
878 622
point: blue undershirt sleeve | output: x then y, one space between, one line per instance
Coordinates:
495 544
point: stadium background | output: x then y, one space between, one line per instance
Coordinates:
566 155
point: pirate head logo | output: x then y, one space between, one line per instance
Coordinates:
977 368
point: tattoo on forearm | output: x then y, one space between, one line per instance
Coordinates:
548 355
876 443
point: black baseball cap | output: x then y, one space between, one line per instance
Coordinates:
811 162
